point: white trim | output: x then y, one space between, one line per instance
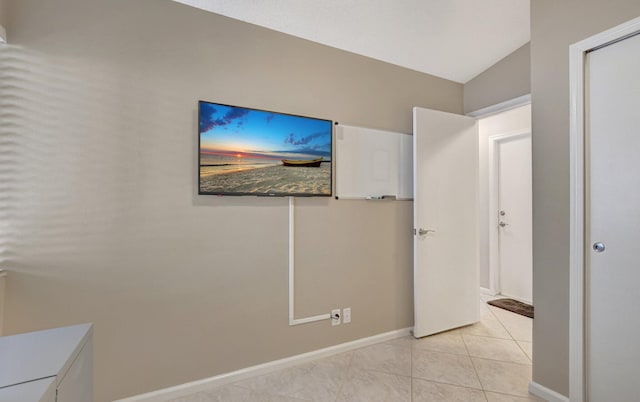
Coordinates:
576 225
211 382
292 319
545 393
577 382
494 249
488 292
501 107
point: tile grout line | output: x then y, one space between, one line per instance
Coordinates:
475 370
452 384
512 338
500 321
344 381
411 383
510 334
523 351
500 360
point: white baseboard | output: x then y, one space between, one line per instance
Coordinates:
226 378
546 393
488 292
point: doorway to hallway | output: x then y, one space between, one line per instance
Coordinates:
505 204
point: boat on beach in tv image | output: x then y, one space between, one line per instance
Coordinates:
303 163
255 152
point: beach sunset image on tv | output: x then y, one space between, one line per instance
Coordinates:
255 152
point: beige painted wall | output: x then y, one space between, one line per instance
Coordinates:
4 12
103 221
507 79
554 27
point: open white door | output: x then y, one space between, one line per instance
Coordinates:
445 155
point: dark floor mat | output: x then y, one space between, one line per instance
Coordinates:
513 306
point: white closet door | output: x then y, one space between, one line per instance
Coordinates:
613 221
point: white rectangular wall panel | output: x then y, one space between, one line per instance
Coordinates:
373 163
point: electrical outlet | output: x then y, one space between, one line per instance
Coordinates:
346 315
336 318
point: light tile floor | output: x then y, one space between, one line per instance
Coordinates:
489 361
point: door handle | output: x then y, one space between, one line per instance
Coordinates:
423 232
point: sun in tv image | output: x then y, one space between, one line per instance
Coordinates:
254 152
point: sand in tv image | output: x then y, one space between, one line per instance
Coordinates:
255 152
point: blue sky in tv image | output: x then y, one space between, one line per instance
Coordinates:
232 136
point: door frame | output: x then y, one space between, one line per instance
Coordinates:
494 196
577 294
501 107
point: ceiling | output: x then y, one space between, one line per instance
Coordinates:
452 39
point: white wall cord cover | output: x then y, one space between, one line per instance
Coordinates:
292 319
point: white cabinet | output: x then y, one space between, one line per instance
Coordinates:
76 384
54 365
34 391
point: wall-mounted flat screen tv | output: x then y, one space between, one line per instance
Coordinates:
256 152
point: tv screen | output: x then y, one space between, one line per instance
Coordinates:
256 152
